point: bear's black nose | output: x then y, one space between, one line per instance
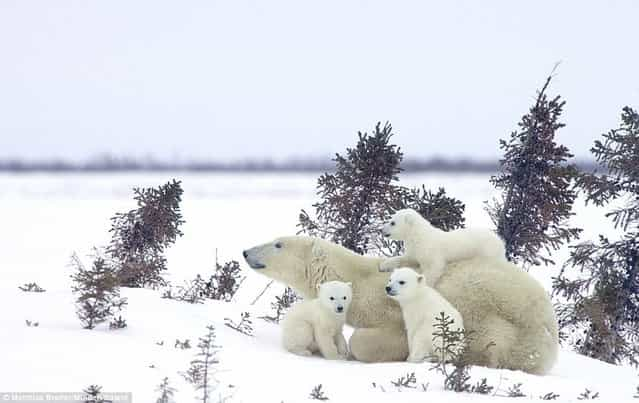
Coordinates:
245 254
340 309
388 289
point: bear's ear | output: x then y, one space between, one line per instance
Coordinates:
349 284
420 278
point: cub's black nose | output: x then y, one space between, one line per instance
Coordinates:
340 309
245 254
388 289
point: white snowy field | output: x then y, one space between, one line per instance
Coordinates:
47 218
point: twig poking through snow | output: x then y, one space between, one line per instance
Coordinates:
263 291
245 325
318 394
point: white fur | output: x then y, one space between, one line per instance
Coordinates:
432 249
501 304
317 324
420 305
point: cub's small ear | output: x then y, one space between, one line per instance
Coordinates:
420 278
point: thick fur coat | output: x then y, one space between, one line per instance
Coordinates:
500 303
431 249
421 306
317 325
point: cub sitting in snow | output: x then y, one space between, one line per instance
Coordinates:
420 305
431 248
317 324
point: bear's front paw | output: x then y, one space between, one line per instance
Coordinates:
388 265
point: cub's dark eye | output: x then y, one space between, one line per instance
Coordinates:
392 223
278 245
402 282
332 299
344 298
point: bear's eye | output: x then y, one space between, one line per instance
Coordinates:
402 282
344 298
392 223
332 299
278 245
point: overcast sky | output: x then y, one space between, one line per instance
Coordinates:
245 79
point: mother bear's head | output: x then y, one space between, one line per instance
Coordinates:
285 259
303 262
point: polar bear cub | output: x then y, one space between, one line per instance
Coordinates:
420 305
431 248
317 324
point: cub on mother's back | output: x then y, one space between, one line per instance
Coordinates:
431 248
317 324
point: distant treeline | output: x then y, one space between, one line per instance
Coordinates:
128 165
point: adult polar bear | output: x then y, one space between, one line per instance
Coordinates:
500 303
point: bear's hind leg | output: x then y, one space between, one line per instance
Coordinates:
299 339
379 344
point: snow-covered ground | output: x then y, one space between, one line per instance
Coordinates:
46 218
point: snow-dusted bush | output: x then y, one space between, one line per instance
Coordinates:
192 292
93 394
245 325
451 342
31 287
363 192
281 305
317 393
532 213
166 392
224 282
97 293
183 345
222 285
201 372
140 236
601 308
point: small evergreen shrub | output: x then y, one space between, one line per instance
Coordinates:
166 392
140 236
317 393
245 325
363 193
202 370
532 213
224 282
281 305
93 394
97 293
451 343
599 303
31 287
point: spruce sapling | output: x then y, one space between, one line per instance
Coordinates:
599 306
93 394
318 394
363 192
201 372
166 392
97 293
140 236
532 213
